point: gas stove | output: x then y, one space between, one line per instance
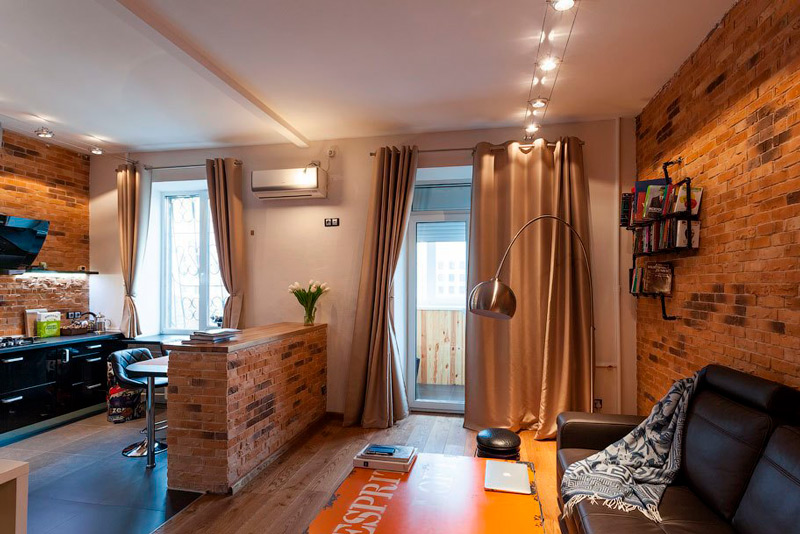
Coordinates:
15 341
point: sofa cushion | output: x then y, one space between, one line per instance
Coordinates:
681 510
722 444
771 504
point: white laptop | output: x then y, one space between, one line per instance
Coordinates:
507 476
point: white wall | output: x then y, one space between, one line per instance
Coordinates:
286 240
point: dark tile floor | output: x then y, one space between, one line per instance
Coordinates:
81 483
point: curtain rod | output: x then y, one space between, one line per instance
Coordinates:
193 166
472 148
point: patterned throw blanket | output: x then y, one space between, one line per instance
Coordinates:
633 473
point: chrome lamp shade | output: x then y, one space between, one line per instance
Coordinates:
494 299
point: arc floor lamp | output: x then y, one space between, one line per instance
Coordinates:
492 298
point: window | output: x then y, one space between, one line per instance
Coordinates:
192 295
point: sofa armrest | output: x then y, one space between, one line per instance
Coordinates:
580 430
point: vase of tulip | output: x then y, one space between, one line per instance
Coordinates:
308 297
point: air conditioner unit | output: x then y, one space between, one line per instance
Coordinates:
304 182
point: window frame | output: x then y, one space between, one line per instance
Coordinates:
203 322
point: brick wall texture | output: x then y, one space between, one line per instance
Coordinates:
731 111
230 412
42 181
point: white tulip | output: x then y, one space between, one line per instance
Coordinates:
324 285
325 290
314 288
311 282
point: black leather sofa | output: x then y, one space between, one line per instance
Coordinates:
740 470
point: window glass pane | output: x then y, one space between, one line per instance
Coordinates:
182 250
216 290
441 253
441 265
442 197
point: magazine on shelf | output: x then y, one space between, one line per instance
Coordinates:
658 278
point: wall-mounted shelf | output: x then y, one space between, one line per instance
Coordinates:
654 223
43 272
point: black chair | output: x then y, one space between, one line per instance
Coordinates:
120 360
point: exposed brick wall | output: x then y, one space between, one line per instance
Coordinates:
230 412
731 111
42 181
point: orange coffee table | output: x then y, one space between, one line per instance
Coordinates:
441 495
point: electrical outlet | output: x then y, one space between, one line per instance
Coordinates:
328 222
598 404
335 221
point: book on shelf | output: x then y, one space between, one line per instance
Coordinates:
386 457
636 280
640 190
625 208
680 200
653 201
658 278
682 234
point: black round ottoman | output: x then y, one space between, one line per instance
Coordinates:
499 443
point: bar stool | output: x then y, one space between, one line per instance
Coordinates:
120 360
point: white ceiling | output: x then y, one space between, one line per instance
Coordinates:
349 68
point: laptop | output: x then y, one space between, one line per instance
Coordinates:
507 476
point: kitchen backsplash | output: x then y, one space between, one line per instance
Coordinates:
43 181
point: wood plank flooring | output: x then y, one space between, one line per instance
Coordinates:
287 495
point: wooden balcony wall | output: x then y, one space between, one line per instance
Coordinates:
440 346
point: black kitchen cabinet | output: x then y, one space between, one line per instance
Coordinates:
51 382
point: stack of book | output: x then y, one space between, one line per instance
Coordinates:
213 335
386 457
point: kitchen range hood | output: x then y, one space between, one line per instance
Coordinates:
20 242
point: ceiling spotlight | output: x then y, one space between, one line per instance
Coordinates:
563 5
532 128
46 133
539 103
97 150
549 63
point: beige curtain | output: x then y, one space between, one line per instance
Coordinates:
376 395
224 177
520 374
133 203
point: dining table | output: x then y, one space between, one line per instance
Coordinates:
151 369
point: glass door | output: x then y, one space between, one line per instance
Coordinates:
437 299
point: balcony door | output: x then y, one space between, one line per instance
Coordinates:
437 297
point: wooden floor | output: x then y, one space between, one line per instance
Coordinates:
286 497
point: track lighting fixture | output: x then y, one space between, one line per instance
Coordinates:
539 103
43 132
532 128
549 63
97 150
563 5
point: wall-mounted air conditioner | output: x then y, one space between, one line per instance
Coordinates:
304 182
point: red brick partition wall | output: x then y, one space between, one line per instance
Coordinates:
43 181
731 111
230 412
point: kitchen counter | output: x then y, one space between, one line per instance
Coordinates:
234 406
249 337
61 340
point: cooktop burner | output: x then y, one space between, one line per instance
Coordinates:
15 341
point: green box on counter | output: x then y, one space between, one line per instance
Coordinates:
48 328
